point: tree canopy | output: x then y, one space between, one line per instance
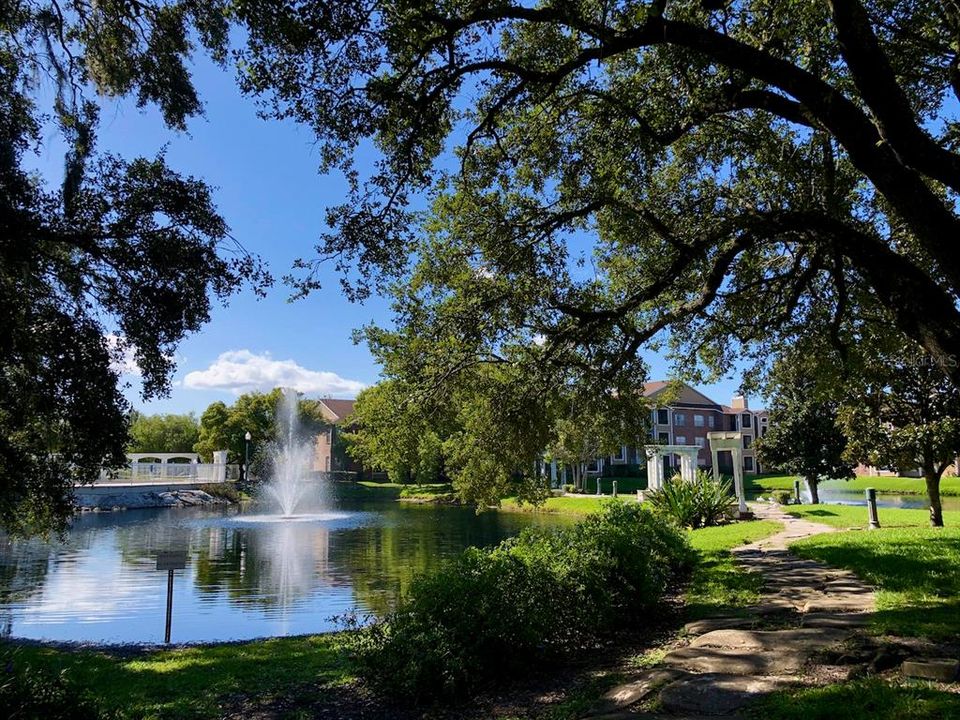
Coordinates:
111 266
904 413
224 427
804 436
713 179
163 433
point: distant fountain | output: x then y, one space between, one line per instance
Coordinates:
290 487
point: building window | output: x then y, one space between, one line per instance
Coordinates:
662 418
747 441
747 422
663 438
701 442
698 420
679 419
622 457
763 421
748 464
681 439
711 421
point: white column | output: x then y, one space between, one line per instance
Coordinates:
738 479
219 465
553 472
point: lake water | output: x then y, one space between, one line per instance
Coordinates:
247 576
832 496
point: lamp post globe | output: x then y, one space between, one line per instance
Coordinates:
246 454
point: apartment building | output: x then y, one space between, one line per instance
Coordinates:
682 415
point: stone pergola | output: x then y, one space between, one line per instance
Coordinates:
732 441
655 454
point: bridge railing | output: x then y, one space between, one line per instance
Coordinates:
148 473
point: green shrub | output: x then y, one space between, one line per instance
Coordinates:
784 497
491 613
227 490
700 503
28 693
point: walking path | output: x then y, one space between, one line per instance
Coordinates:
732 660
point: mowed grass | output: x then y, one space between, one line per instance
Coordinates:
765 484
849 516
868 699
566 504
718 582
916 571
193 682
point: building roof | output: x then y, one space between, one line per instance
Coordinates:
336 410
681 394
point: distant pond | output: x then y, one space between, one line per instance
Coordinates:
246 576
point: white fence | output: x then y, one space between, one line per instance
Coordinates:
147 473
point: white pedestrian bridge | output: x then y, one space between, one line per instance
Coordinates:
149 468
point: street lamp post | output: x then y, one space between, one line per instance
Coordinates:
246 455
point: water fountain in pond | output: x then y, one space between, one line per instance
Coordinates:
291 489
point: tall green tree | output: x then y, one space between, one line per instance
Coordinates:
163 433
224 427
906 415
707 178
389 431
117 262
804 436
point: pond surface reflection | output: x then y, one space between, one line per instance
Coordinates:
248 575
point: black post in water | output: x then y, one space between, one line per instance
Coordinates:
872 508
166 634
796 491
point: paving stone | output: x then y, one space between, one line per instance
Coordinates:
700 627
735 661
716 693
839 603
630 693
772 607
772 640
835 620
940 669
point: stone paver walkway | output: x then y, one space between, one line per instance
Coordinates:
730 661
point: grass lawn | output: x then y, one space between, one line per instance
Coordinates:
766 484
194 682
567 504
916 571
870 699
848 516
718 582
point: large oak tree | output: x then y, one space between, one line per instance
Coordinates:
605 176
116 263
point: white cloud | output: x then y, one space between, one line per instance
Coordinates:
242 371
124 361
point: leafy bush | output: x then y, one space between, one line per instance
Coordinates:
700 503
30 693
784 497
227 490
492 612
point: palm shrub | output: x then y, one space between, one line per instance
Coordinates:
491 613
700 503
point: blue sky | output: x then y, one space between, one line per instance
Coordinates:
269 190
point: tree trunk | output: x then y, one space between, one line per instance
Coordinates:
933 493
812 484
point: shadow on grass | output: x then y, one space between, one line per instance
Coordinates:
196 682
870 699
917 571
